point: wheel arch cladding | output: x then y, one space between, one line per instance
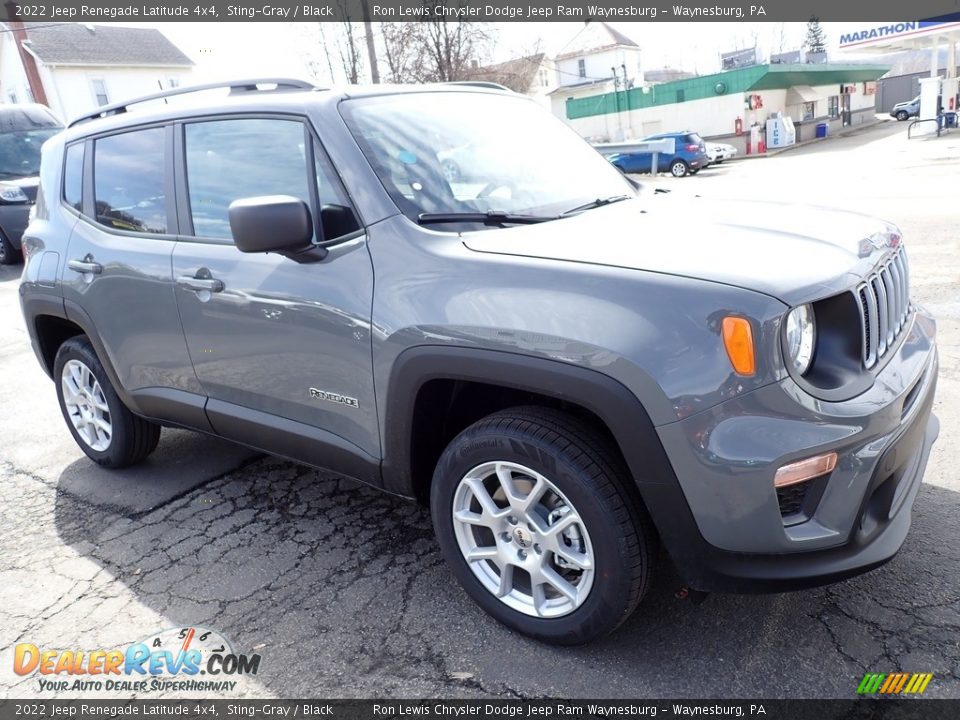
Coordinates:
619 411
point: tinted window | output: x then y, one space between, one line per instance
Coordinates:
73 177
232 159
128 181
694 138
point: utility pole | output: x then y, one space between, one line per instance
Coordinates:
371 50
616 99
616 89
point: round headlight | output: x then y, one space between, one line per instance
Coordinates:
801 336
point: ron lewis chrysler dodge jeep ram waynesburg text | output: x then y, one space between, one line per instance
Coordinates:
566 376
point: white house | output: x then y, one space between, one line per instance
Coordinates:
74 68
598 60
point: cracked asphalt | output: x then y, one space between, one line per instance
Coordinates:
343 592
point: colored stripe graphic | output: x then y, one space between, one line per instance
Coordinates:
894 683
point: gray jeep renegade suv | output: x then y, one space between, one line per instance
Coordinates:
538 352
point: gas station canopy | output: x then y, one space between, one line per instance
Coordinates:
936 95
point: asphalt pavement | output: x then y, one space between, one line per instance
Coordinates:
342 590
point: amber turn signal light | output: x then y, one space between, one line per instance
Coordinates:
804 470
738 340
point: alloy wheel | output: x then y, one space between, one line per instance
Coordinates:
523 539
86 405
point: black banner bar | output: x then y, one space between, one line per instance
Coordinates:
866 708
475 10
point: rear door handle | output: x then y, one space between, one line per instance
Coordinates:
85 266
199 284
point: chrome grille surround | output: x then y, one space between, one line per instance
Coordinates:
884 301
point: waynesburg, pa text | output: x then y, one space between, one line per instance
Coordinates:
506 11
564 709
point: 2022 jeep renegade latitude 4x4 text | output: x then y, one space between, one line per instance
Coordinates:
538 352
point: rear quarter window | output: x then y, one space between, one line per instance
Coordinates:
73 177
128 178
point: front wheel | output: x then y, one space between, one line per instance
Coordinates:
678 168
533 513
100 423
902 115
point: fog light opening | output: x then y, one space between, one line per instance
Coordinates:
804 470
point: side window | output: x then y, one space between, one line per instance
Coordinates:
128 180
232 159
73 177
336 216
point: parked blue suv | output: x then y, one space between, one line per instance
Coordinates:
688 157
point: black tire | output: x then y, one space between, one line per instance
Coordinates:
132 438
9 255
902 115
678 168
585 467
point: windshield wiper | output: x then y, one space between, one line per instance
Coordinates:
491 217
599 202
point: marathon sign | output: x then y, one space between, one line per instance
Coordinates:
893 31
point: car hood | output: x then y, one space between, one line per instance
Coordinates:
792 252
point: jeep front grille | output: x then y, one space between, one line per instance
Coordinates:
884 300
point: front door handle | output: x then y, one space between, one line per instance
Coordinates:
85 266
199 284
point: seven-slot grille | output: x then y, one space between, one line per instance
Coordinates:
884 299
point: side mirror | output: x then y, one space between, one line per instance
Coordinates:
274 223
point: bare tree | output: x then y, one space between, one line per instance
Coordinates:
317 58
402 51
439 50
349 48
453 47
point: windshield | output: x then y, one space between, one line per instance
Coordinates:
20 152
476 153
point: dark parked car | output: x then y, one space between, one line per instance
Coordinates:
567 380
688 158
23 129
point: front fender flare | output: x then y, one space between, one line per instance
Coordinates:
605 397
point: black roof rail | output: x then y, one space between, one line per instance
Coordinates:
235 86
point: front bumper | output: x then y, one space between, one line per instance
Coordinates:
724 528
13 221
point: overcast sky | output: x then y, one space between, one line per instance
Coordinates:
278 49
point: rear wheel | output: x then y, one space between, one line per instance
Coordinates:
100 423
534 516
678 168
